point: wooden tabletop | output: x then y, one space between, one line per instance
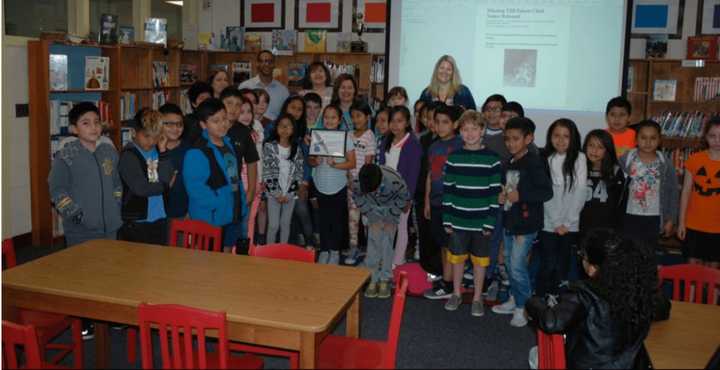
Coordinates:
688 339
260 291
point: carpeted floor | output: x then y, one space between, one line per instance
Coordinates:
430 337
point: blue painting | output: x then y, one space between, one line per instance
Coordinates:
651 16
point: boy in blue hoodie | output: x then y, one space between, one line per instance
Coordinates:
84 182
212 177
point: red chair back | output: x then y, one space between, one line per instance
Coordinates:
177 350
396 321
14 335
284 252
688 275
196 235
8 254
551 351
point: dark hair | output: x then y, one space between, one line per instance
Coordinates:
136 122
420 116
337 110
312 97
494 97
275 137
209 108
260 93
609 161
246 91
338 81
647 123
79 109
619 102
452 111
401 110
524 124
214 73
170 108
627 278
369 177
431 106
197 89
397 90
515 107
307 82
573 151
419 102
300 124
361 106
712 122
265 51
231 91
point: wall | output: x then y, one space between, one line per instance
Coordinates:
227 13
676 48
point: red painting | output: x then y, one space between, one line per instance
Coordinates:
262 12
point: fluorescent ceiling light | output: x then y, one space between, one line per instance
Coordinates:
175 2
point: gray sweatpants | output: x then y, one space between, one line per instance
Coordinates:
279 217
379 258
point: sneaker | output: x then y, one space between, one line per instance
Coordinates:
492 291
441 290
384 290
533 358
88 332
518 319
352 256
324 257
478 308
453 303
372 290
433 278
334 258
506 308
416 255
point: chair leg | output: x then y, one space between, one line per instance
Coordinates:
78 352
132 345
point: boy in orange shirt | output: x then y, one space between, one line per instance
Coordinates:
617 115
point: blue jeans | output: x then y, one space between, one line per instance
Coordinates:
516 251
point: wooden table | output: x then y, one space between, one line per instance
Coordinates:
688 339
283 304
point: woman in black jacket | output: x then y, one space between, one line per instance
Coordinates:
607 317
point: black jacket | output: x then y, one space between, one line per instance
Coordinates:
535 188
136 186
603 205
592 337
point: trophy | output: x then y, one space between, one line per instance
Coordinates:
359 46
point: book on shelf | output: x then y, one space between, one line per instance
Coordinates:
296 74
233 39
681 124
656 46
97 73
156 30
315 41
218 67
126 35
188 73
630 79
58 72
377 70
241 72
59 122
159 98
253 41
129 103
108 29
343 42
205 40
706 88
284 42
184 102
702 47
664 90
161 74
125 136
338 69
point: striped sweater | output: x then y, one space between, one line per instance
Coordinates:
471 186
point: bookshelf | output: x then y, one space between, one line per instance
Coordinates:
131 86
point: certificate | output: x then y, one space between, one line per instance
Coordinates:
328 143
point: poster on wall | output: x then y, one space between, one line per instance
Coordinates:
318 14
373 13
708 20
657 17
263 15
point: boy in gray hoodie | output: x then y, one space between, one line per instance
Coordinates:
84 182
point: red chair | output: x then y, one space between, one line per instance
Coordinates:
284 252
14 335
551 351
48 325
175 324
196 235
692 275
337 352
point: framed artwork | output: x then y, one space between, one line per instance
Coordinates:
657 17
708 18
374 15
263 15
318 14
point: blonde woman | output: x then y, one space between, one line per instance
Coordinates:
446 85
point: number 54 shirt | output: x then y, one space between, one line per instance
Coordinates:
602 200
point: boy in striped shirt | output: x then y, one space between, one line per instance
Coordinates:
471 186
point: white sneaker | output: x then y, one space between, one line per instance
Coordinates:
518 319
506 308
334 258
323 258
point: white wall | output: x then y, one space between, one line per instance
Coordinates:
676 48
224 13
15 144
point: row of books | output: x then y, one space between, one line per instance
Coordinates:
377 70
706 88
682 124
161 74
283 42
679 156
97 73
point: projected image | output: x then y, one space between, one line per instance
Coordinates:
520 67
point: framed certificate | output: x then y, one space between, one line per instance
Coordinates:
328 143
